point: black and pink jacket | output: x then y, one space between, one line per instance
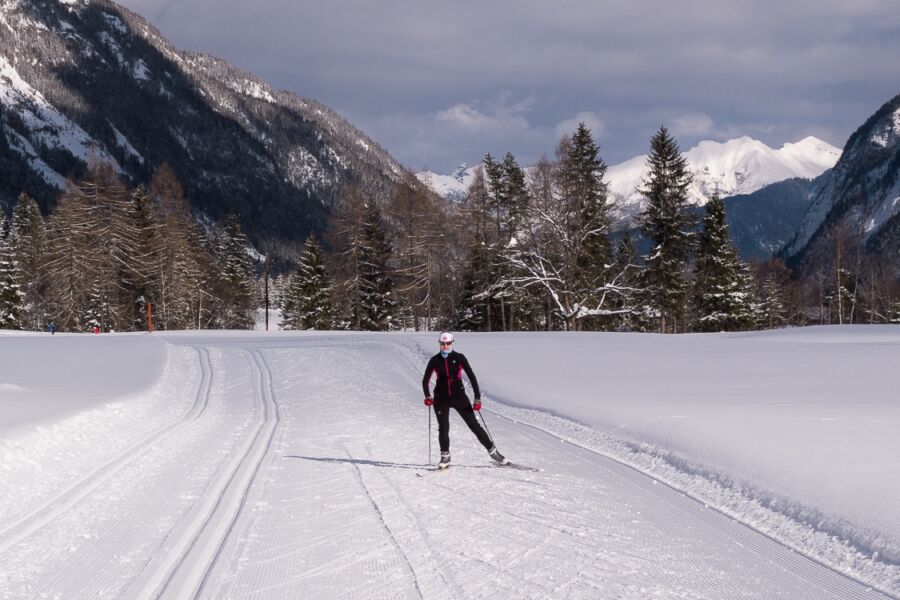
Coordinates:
449 376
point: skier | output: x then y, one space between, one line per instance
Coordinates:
449 365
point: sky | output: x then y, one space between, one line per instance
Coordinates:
441 83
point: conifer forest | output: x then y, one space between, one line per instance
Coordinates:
526 250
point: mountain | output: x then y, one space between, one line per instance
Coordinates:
861 195
737 167
87 80
453 186
761 223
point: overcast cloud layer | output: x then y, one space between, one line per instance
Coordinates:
439 83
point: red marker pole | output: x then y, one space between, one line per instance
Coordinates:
149 318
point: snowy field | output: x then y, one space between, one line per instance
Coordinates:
295 465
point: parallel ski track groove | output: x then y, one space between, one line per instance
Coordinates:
224 512
30 523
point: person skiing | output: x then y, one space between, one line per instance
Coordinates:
449 393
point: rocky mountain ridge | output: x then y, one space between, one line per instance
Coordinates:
88 80
860 196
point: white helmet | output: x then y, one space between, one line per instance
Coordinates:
446 337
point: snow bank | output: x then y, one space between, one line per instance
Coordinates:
46 378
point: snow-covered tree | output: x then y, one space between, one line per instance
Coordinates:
27 240
308 300
722 288
11 294
558 254
770 309
237 277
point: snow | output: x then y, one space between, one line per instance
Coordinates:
453 186
47 124
737 166
141 71
293 464
123 142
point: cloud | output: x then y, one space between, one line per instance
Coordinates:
514 74
691 125
590 120
463 115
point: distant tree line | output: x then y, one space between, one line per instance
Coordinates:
107 253
523 251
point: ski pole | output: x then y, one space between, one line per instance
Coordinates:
486 428
429 433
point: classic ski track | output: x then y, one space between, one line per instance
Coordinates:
61 502
191 559
744 534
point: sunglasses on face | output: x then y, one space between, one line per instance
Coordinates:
446 343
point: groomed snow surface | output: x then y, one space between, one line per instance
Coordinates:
295 465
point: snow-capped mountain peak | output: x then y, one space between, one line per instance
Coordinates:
453 186
737 166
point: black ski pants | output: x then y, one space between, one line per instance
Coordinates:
464 408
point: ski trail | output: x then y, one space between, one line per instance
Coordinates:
183 568
62 502
318 527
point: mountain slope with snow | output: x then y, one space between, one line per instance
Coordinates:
861 195
88 80
453 186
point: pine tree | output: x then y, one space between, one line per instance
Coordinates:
366 296
722 287
629 319
11 294
376 290
771 313
496 192
666 223
27 240
472 311
307 303
473 308
237 276
173 258
584 191
515 195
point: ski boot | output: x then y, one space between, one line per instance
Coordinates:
445 460
495 454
